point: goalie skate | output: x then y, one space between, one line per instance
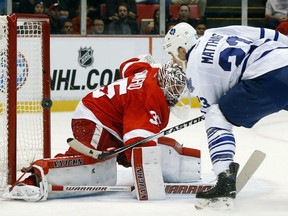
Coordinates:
23 192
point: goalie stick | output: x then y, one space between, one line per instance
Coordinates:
170 188
244 176
78 146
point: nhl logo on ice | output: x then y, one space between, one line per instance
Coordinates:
85 58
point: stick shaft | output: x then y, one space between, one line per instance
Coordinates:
156 136
91 188
75 144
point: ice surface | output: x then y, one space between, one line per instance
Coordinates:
265 194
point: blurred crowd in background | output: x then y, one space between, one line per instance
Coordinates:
130 17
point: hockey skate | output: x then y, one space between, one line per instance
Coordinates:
33 189
23 192
222 194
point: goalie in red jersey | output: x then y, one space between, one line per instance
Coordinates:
130 109
127 110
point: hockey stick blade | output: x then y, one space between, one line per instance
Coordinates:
78 146
249 169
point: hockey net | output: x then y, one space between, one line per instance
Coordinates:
24 93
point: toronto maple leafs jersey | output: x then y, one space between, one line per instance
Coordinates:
224 56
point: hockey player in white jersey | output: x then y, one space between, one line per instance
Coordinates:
239 75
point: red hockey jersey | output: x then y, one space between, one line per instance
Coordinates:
131 108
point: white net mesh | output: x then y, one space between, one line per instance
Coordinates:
29 91
29 94
3 101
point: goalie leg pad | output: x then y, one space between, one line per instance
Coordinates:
80 171
179 164
147 173
77 170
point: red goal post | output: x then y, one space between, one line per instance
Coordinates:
24 92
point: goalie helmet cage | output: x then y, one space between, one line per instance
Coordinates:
24 93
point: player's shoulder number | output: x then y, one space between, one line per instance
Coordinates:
232 56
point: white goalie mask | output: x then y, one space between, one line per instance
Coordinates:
181 35
172 80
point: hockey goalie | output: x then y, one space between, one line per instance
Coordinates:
130 109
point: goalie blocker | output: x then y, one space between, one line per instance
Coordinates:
169 162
